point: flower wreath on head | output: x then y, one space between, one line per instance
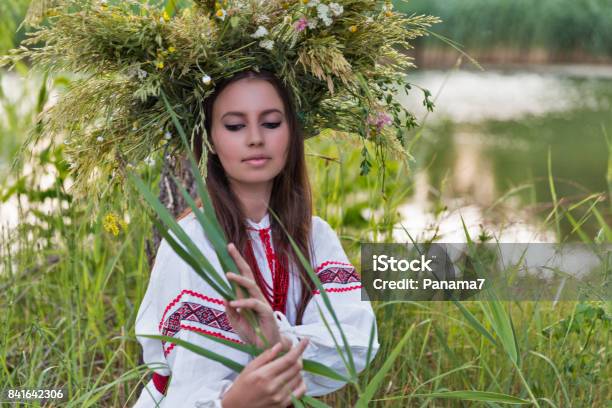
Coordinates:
342 61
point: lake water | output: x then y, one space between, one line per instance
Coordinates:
490 134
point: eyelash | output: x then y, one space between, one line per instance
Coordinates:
233 127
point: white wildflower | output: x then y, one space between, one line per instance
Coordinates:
261 32
388 7
142 74
369 20
326 20
312 23
323 10
267 44
336 9
149 161
100 139
167 135
206 79
221 13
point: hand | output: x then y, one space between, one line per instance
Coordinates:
268 382
256 302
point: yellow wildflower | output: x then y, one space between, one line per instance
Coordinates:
353 28
111 223
159 64
389 13
171 50
166 16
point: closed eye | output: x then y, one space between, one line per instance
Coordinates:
235 128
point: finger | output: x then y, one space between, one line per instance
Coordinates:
255 304
298 393
248 283
283 363
291 376
265 357
300 390
231 312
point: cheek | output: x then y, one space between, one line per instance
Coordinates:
226 148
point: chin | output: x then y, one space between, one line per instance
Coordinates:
256 177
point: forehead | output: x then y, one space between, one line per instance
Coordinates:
248 95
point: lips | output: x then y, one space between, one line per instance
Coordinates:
256 158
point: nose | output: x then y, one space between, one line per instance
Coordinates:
255 136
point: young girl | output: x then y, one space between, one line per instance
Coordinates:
257 162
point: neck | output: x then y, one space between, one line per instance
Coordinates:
254 198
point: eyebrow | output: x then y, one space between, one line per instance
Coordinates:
242 113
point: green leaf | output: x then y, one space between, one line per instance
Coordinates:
375 383
474 322
483 396
313 402
170 222
213 229
232 365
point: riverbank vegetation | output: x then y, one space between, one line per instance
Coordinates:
503 30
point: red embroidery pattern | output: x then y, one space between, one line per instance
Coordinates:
324 264
317 291
276 294
339 274
195 312
180 295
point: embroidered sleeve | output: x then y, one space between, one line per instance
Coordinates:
178 303
342 284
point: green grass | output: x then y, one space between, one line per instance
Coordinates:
560 26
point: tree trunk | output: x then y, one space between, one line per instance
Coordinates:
170 195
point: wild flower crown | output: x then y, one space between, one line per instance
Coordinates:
341 59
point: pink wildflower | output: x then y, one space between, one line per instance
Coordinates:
301 24
381 119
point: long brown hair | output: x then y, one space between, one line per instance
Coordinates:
291 197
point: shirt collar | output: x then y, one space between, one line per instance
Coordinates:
263 224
